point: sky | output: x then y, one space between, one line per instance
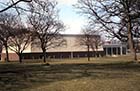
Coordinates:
73 21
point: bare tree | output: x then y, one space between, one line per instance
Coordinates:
85 41
91 40
7 4
20 41
116 17
46 24
96 42
7 23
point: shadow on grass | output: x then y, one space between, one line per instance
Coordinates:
14 77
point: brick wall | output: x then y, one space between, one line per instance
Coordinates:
12 56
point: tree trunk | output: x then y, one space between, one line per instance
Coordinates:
7 54
20 57
130 41
44 56
96 52
135 56
88 54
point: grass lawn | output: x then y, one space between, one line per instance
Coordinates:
100 74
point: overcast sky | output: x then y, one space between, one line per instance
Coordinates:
73 21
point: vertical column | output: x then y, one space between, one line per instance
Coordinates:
71 54
111 51
117 51
125 50
106 51
120 50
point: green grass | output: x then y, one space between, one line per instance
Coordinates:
100 74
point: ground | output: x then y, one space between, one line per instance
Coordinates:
99 74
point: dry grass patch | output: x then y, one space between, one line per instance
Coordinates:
101 74
91 84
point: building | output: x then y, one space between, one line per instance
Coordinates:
115 48
70 50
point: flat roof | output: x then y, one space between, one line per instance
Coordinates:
78 35
114 45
